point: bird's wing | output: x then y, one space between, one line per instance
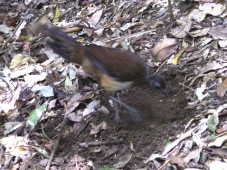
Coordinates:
117 63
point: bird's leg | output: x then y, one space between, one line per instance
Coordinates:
132 111
117 118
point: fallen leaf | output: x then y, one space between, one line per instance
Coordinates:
91 107
181 51
218 32
123 161
195 154
211 66
32 79
212 122
199 33
199 92
4 29
12 141
219 141
130 25
223 128
36 115
96 129
222 88
12 19
214 165
214 9
178 161
57 15
6 106
22 26
45 91
164 49
223 43
182 30
197 15
95 18
220 152
218 110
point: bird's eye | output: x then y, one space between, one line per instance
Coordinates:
157 85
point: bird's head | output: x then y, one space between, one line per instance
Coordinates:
159 83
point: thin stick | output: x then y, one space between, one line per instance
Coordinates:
160 67
97 143
15 30
131 36
57 143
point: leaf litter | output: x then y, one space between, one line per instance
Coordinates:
37 94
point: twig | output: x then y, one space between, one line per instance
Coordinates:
22 124
140 141
57 143
170 9
97 143
69 10
186 86
160 67
15 30
44 133
131 36
163 166
198 76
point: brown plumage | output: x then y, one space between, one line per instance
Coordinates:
115 69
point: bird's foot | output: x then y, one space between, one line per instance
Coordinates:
135 115
117 119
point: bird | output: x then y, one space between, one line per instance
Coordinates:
114 69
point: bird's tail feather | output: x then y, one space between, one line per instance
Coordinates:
61 43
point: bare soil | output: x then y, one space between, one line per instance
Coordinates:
162 117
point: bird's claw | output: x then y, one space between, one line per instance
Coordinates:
117 119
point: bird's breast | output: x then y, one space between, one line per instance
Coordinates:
110 84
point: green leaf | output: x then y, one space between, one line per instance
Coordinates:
68 83
211 137
212 122
57 15
36 115
45 91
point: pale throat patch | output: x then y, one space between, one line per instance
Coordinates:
110 84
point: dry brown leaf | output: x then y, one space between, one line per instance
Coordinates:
182 30
164 49
215 164
180 52
31 80
97 128
219 141
177 160
222 88
123 160
218 32
197 15
211 66
223 128
221 152
73 102
95 18
12 19
214 9
199 33
223 43
130 25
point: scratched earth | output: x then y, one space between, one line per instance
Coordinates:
163 118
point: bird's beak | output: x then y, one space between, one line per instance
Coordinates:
165 92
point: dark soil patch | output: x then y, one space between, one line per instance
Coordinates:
163 117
